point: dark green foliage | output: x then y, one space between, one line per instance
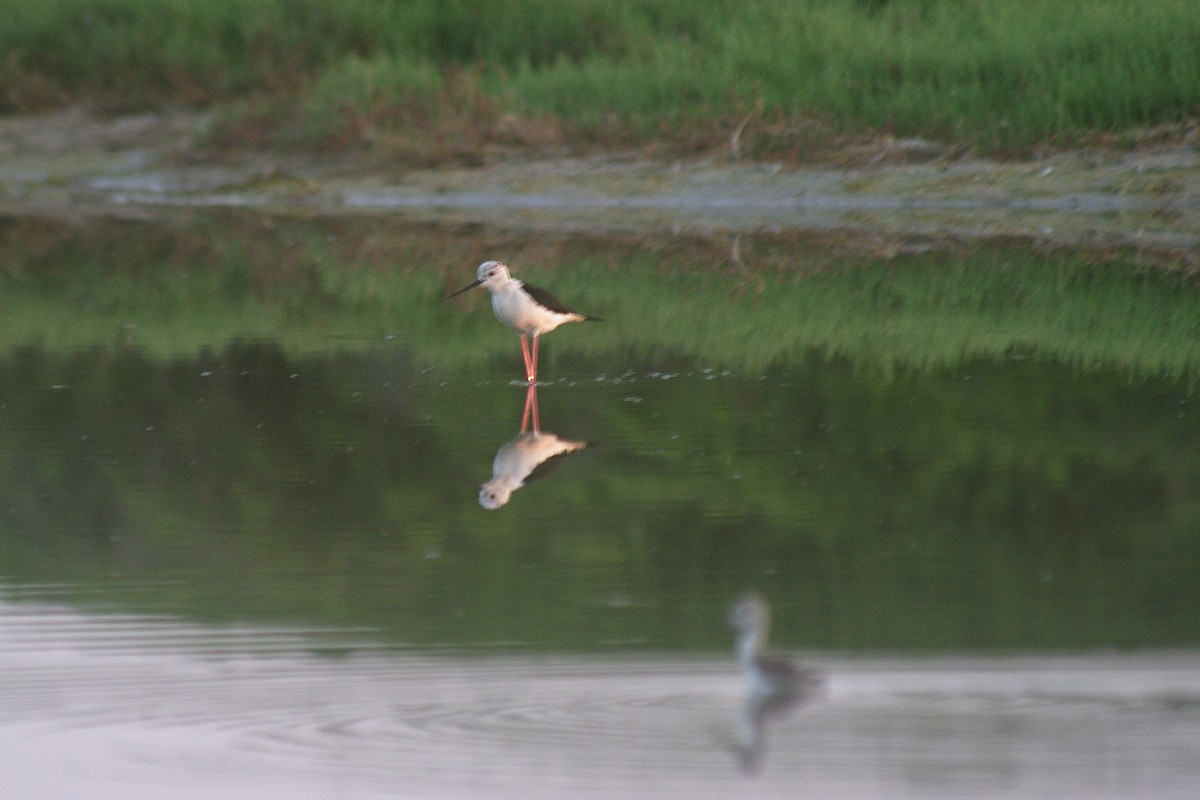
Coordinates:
996 73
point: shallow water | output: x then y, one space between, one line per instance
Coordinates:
242 548
141 706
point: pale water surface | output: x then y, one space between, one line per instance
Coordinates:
242 550
116 706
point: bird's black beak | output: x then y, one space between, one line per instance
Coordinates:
463 289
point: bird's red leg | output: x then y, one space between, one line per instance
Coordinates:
530 405
533 372
531 398
529 369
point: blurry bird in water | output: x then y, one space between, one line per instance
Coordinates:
526 309
774 686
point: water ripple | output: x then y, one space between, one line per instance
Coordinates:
142 702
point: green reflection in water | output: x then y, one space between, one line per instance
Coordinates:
995 450
1011 504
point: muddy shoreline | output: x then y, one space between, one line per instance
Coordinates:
901 197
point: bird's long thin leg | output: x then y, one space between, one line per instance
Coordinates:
530 370
533 372
531 398
530 401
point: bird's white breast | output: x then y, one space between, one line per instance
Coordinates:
518 311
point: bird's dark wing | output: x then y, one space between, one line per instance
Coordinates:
549 465
547 299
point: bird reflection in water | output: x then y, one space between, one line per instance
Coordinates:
774 688
531 456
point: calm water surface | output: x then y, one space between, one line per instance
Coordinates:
246 561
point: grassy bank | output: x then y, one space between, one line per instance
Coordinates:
319 285
428 79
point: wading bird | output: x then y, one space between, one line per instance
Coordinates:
526 309
774 687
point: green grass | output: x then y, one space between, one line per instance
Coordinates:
997 74
313 286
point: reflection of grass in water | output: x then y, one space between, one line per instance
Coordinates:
921 512
917 512
178 293
266 462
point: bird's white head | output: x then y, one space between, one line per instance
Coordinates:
750 613
494 494
750 616
492 275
